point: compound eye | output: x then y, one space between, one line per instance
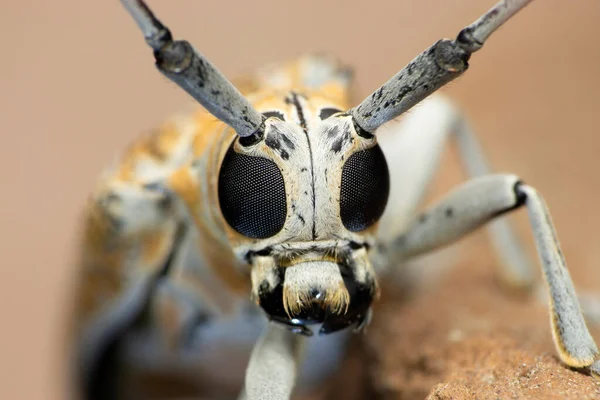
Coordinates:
364 189
252 195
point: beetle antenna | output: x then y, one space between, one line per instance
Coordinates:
430 70
189 69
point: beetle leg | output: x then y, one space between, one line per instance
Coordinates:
274 364
101 338
483 199
413 148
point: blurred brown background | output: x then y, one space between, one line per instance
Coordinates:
77 83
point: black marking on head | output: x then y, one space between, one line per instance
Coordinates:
328 112
273 142
342 139
274 114
355 245
332 131
250 254
265 252
292 99
449 212
286 140
278 141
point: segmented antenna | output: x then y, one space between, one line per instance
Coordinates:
181 63
430 70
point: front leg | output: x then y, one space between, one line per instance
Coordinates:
413 147
480 201
274 364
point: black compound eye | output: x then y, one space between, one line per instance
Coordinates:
252 195
364 189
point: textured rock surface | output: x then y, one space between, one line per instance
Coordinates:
468 339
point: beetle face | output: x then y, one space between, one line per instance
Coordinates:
301 204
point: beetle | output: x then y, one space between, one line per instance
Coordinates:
277 197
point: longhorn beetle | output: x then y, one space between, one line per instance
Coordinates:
279 199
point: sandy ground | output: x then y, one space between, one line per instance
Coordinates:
78 85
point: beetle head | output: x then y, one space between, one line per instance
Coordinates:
301 203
